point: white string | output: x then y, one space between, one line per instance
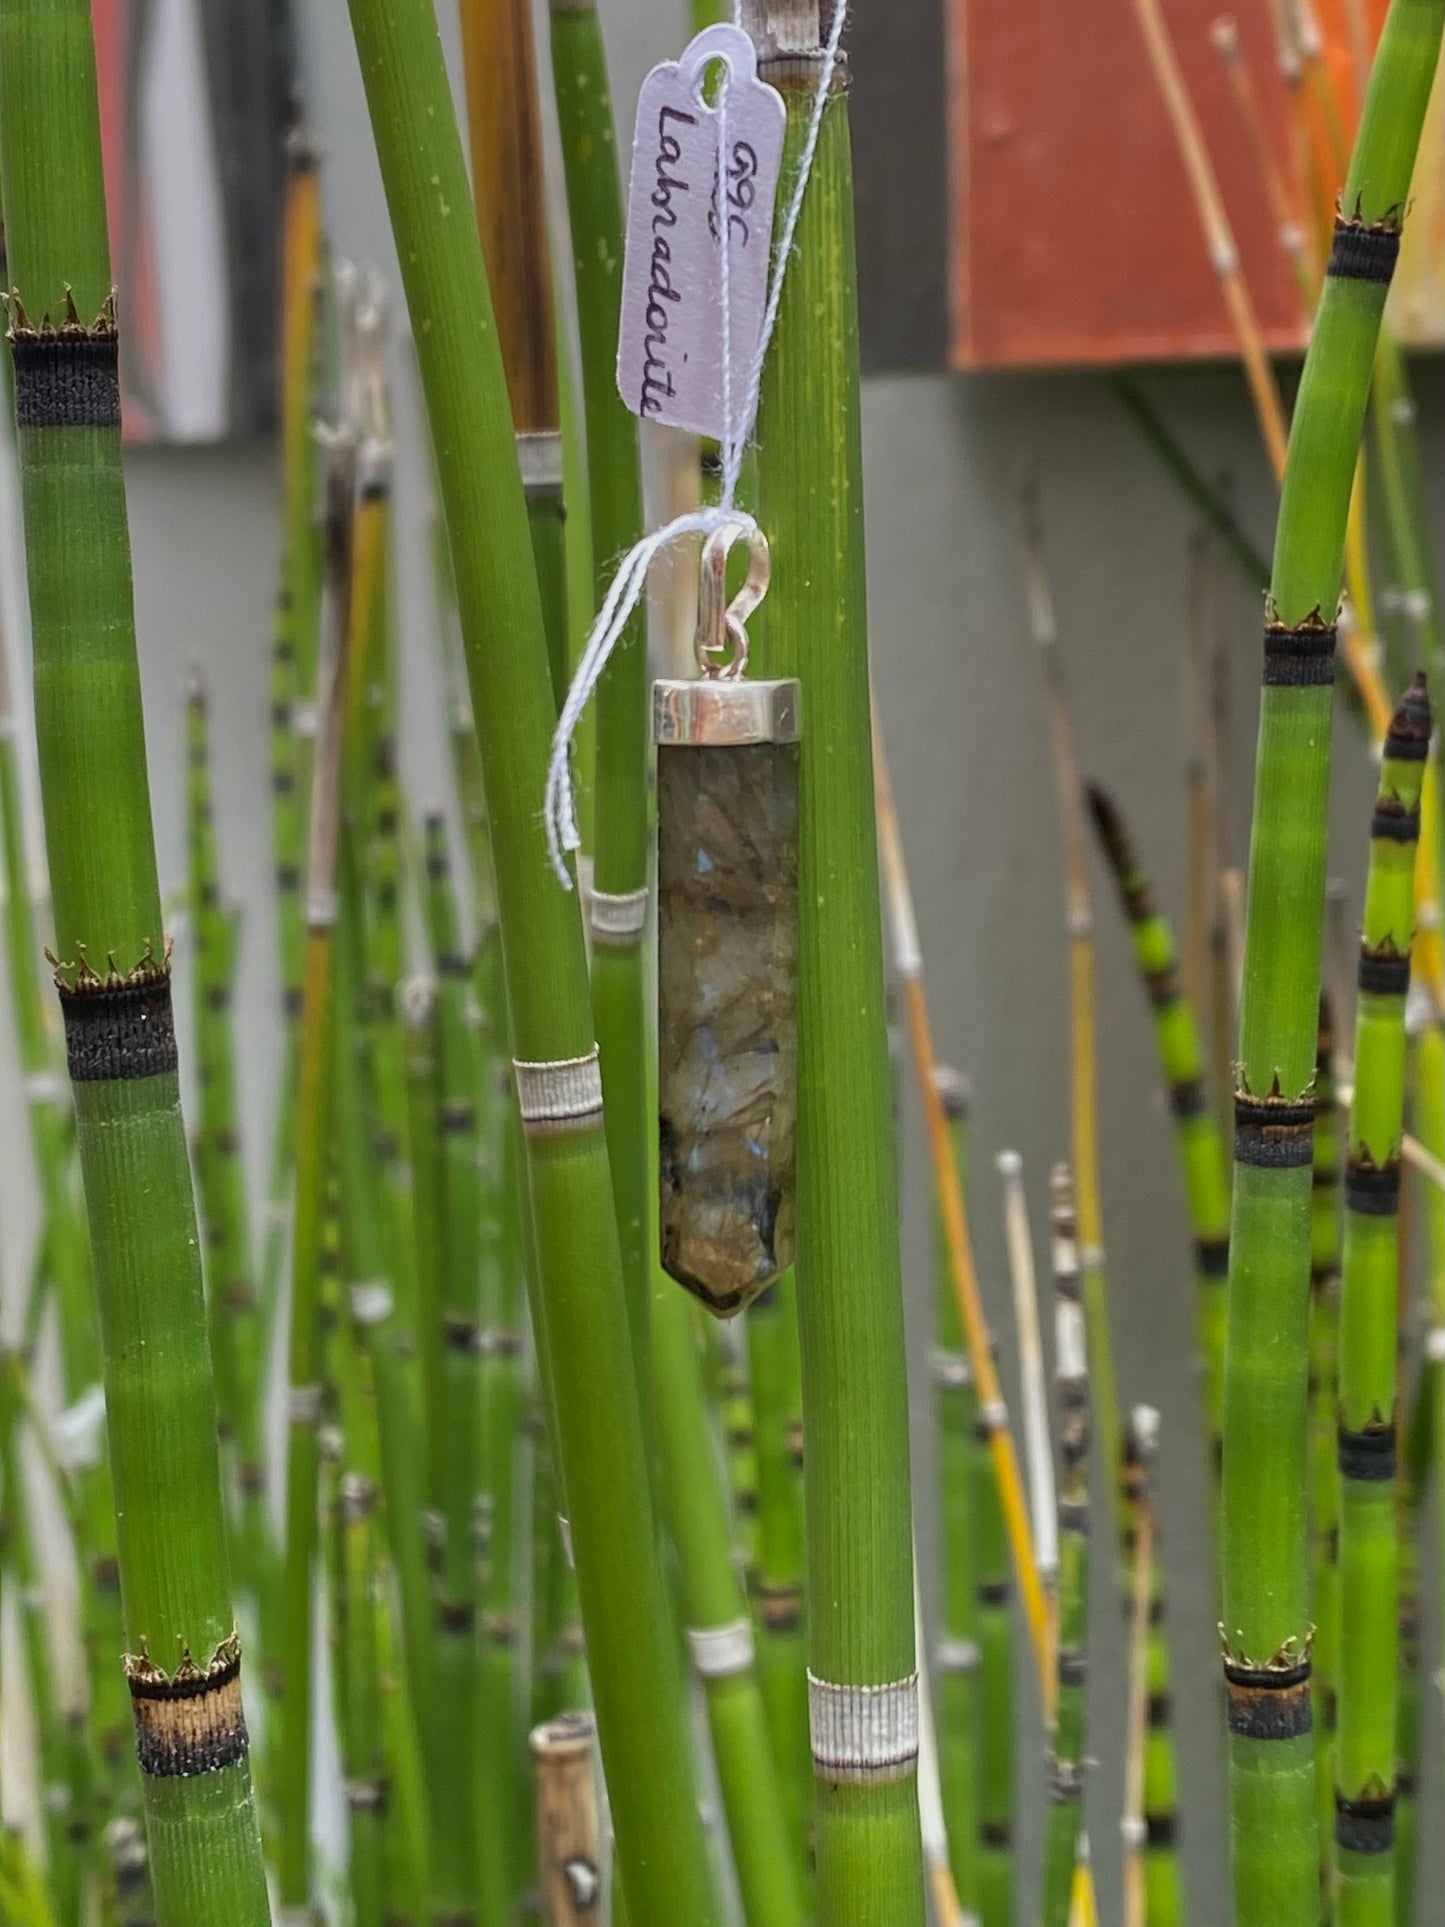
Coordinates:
559 809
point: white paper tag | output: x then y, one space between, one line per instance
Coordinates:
669 349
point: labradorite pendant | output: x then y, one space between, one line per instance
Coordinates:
727 917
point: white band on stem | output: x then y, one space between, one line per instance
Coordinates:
371 1301
303 1404
993 1415
617 920
44 1087
565 1095
718 1651
951 1370
956 1655
863 1732
539 456
1435 1345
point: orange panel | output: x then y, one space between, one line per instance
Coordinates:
1074 238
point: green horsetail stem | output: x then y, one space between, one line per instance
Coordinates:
221 1177
715 1614
504 1824
1201 1155
374 1325
1163 1875
314 1121
730 1370
66 1264
850 1308
956 1649
1369 1653
1071 1383
579 1304
65 1798
453 1760
1266 1615
1323 1427
994 1730
509 187
617 896
183 1659
776 1372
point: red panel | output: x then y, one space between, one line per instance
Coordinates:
1074 237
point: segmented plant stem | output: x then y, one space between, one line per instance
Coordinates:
956 1649
1369 1653
1201 1155
114 979
860 1584
578 1307
1265 1592
1071 1384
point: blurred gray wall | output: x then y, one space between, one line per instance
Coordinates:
959 691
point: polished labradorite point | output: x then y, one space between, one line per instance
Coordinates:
727 1015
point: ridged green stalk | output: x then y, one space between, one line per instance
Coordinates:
459 1420
771 1328
1369 1654
66 1263
1196 1134
504 1828
315 1108
620 834
579 1304
1266 1613
732 1392
1324 1464
204 1842
1071 1383
715 1613
995 1724
956 1652
860 1580
221 1178
63 1794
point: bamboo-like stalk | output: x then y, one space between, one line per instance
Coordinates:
1366 1750
235 1324
1079 930
775 1365
993 1412
860 1579
1038 1449
508 185
956 1650
993 1618
1142 1428
1071 1384
313 1148
578 1282
62 1790
67 1265
731 1390
456 1426
1218 236
1201 1155
503 1814
1294 237
620 833
1265 1591
715 1613
160 1400
568 1843
1323 1422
